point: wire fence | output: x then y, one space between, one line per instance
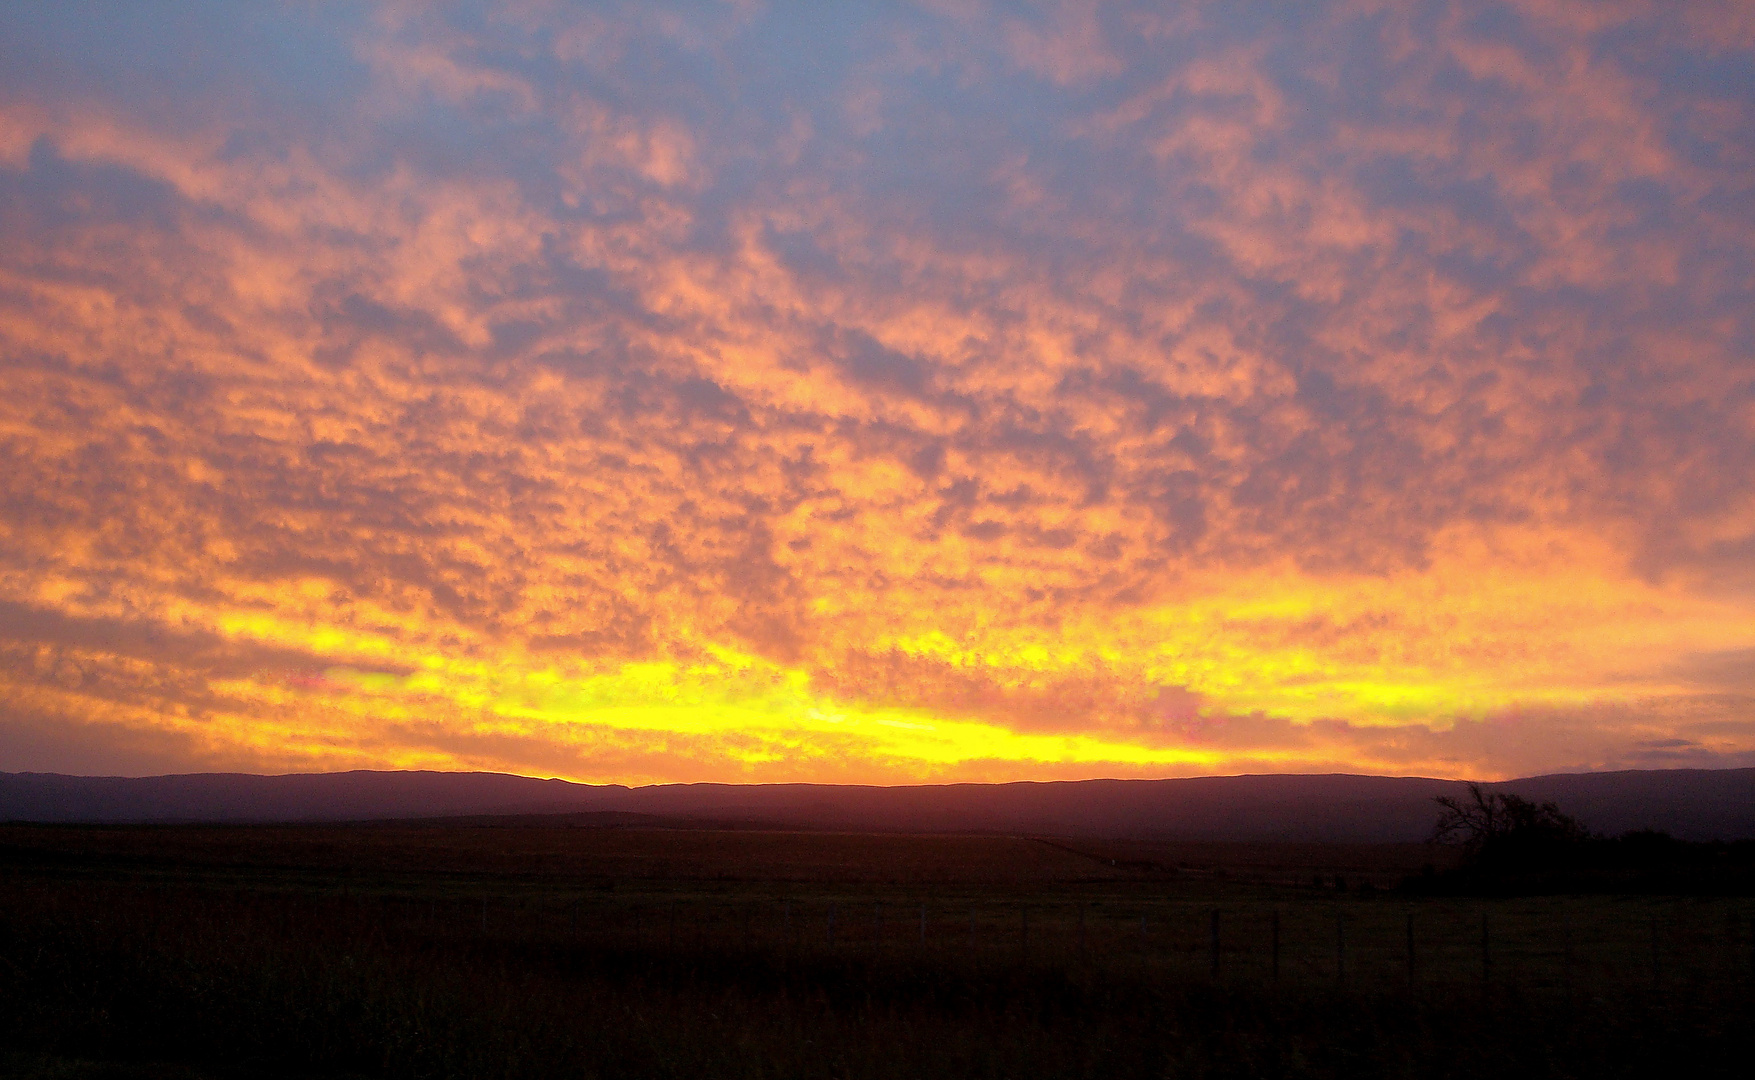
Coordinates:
1559 945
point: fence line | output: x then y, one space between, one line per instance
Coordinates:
1379 944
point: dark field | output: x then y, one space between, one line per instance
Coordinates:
534 950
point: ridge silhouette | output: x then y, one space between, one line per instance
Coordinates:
1692 804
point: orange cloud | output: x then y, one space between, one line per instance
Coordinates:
626 398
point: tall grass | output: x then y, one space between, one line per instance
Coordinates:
378 977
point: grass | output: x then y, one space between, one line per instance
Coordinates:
469 952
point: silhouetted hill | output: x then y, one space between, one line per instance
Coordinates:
244 797
1689 803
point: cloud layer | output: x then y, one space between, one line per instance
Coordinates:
957 391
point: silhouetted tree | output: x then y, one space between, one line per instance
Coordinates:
1499 829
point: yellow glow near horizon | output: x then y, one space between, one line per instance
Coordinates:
1154 409
1247 652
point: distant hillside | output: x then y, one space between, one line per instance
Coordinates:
1690 803
244 797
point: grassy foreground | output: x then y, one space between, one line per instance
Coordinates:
646 953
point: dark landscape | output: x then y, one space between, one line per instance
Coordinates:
1691 804
628 943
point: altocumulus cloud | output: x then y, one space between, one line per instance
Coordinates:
956 391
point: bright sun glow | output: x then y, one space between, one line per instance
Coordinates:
621 398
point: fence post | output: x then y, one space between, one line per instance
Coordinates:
1340 948
1275 937
1486 951
1215 943
1731 941
1657 971
1410 950
1752 943
1566 960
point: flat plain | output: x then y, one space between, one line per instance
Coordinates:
604 947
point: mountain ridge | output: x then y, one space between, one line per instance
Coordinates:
1700 804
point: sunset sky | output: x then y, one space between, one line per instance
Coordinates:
877 393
